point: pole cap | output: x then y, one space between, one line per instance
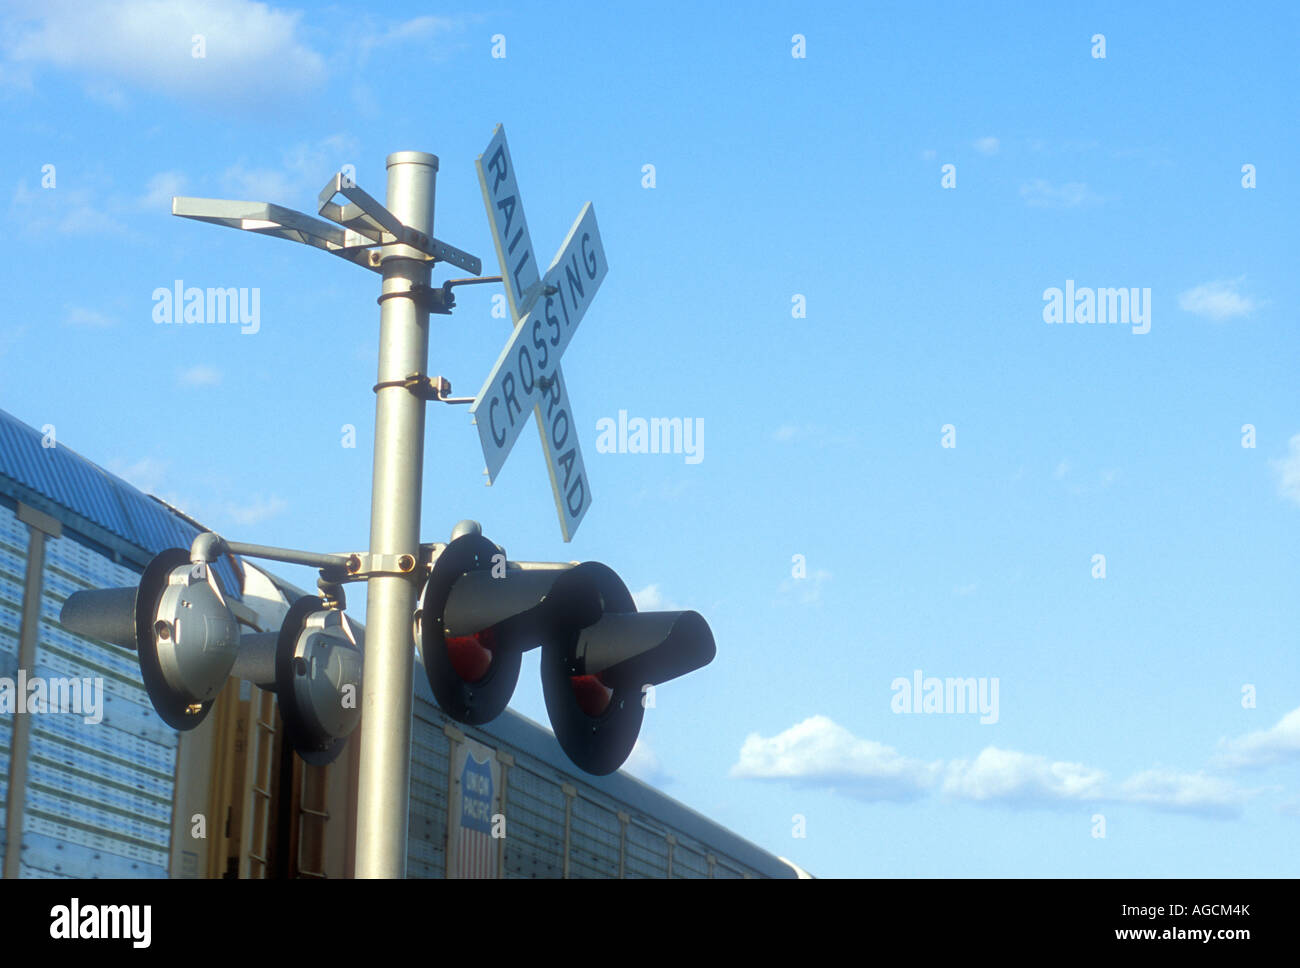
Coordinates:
413 158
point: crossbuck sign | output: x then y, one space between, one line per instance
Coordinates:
546 311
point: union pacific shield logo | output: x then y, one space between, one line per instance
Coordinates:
477 850
476 796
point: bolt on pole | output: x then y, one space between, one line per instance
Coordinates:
385 762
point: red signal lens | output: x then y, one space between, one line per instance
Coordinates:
471 655
593 695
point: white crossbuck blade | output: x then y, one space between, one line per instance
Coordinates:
546 312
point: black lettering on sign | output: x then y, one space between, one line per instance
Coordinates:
557 438
581 491
552 321
497 165
566 460
519 267
508 388
492 422
507 205
575 281
563 305
526 378
540 343
553 396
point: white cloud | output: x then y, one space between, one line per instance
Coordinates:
929 154
998 774
1062 469
1041 193
644 764
1278 743
819 751
92 318
806 590
1183 792
1288 471
199 376
11 335
417 28
64 210
251 52
965 590
256 510
987 145
1217 300
146 474
158 193
303 171
652 599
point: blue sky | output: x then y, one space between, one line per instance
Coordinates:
1163 697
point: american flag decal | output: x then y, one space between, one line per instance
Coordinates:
475 849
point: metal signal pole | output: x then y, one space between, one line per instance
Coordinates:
396 241
385 763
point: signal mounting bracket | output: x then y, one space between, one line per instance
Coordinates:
362 565
433 388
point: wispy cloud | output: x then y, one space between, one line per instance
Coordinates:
251 52
80 211
807 590
644 764
258 509
1265 747
815 434
90 318
146 473
303 169
1179 792
1288 471
1217 300
200 375
820 753
987 145
1007 775
158 193
652 599
422 29
1041 193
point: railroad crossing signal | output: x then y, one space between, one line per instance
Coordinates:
546 312
480 612
477 613
188 643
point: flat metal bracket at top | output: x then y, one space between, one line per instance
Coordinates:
364 215
356 231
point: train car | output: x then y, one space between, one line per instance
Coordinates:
94 784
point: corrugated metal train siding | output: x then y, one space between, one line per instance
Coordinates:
13 566
99 795
426 845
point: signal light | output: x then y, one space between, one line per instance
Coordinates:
470 640
185 636
188 644
480 613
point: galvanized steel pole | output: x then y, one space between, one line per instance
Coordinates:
385 763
